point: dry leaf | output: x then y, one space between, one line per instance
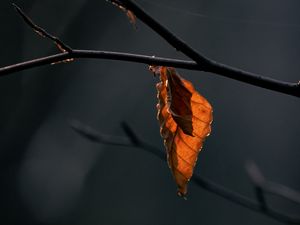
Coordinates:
185 118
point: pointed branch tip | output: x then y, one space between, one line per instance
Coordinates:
42 32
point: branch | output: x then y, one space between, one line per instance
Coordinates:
200 63
267 186
133 140
92 54
68 53
40 31
207 64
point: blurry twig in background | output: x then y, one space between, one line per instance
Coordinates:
261 185
200 62
267 186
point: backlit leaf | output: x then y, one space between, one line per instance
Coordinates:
185 119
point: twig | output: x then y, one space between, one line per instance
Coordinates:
133 140
201 62
258 180
42 32
94 136
207 64
269 186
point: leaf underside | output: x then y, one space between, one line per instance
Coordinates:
185 119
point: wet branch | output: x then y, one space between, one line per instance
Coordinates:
260 183
199 63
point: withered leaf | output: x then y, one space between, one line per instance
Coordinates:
185 119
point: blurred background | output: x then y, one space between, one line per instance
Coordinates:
51 175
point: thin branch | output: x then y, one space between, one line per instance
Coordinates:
258 180
201 62
133 140
207 64
92 54
269 186
42 32
69 53
171 38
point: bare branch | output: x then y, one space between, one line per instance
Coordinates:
201 62
207 64
171 38
92 54
133 140
42 32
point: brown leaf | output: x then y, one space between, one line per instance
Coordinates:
185 117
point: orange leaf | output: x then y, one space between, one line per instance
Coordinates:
185 117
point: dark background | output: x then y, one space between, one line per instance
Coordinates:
51 175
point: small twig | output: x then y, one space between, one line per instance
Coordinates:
282 191
270 187
133 140
258 181
261 198
42 32
94 136
207 64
